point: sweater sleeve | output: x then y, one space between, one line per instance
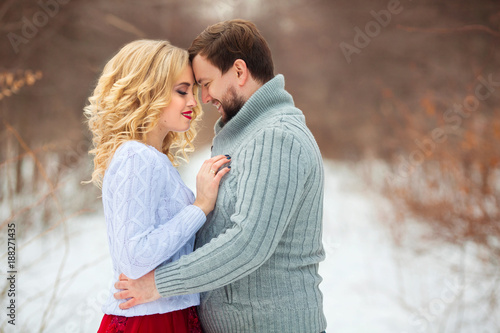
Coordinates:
269 186
140 242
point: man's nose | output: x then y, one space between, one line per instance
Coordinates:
205 96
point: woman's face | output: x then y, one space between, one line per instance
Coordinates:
176 117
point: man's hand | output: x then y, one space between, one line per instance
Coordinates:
142 290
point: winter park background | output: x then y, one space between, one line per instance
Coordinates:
402 97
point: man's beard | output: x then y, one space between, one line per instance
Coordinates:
231 105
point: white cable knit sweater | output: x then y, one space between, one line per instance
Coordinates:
150 220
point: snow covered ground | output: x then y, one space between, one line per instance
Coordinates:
370 285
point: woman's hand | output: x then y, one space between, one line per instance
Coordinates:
208 180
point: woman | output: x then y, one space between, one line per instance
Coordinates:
141 115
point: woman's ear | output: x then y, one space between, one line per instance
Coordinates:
241 71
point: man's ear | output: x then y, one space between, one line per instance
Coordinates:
241 71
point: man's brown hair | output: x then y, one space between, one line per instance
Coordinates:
225 42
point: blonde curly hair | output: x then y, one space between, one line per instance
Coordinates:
134 88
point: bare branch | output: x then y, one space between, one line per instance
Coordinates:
124 25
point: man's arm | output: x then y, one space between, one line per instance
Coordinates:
269 187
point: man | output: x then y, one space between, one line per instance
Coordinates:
256 258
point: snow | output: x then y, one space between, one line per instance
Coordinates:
370 284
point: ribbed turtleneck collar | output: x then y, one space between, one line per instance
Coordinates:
264 103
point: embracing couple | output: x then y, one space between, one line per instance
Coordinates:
257 213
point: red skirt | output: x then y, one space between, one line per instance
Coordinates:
181 321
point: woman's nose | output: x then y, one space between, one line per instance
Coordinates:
192 102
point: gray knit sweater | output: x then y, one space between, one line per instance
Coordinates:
257 256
